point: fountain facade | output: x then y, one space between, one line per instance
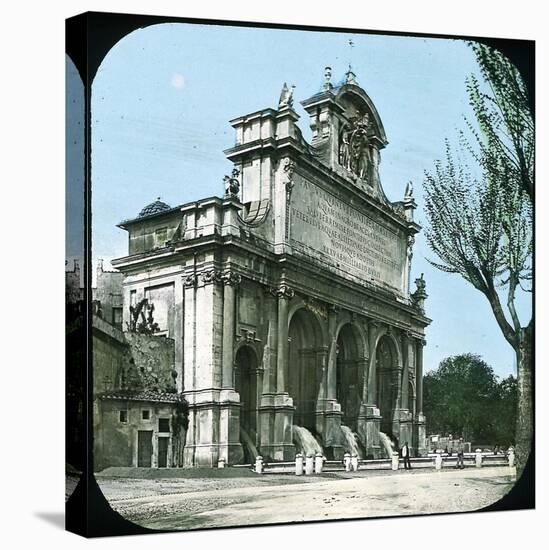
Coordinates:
288 298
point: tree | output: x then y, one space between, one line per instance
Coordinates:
463 397
479 208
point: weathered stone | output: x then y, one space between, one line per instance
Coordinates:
288 300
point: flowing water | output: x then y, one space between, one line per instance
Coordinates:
304 441
350 443
250 450
387 444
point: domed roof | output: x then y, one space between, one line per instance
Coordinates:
154 208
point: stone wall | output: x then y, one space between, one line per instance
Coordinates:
152 361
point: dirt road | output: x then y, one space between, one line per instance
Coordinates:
199 502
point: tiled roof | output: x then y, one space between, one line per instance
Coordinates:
143 395
154 208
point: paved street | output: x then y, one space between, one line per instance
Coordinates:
191 502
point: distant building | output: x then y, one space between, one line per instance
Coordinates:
288 300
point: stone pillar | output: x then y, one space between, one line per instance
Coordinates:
328 418
419 421
372 336
419 376
332 354
406 413
405 370
280 404
231 280
284 294
369 419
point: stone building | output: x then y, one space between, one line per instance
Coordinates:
288 299
139 418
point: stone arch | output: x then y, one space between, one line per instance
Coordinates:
246 368
352 94
412 396
350 370
389 333
306 360
388 360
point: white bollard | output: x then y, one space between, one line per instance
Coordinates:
511 456
258 464
354 463
298 464
438 462
319 462
309 465
347 462
394 461
478 458
221 463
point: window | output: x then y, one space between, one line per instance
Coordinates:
164 425
161 236
123 416
146 414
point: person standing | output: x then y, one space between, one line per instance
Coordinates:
405 454
460 448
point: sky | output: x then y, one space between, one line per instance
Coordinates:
163 96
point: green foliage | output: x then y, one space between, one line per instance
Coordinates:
463 397
478 200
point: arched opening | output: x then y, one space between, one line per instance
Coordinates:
386 363
349 378
305 357
245 381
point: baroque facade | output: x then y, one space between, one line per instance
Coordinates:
289 299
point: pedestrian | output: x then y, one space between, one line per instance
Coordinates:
460 447
405 454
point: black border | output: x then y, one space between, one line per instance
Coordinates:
88 39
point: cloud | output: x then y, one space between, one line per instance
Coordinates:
178 81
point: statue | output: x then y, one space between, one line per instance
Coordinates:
286 97
409 191
232 185
418 297
354 148
327 78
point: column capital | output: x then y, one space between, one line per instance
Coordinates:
405 336
282 291
231 278
189 281
211 276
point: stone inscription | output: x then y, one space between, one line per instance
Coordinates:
340 234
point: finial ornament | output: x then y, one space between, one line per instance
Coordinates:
286 96
350 76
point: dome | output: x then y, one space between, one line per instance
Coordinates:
154 208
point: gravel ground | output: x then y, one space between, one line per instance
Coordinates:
193 502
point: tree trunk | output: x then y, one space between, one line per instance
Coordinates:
525 406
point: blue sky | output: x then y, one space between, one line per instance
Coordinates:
163 96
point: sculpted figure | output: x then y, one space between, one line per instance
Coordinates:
354 149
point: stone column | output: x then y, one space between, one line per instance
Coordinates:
372 335
284 294
230 280
279 406
419 376
419 431
332 354
369 419
406 366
